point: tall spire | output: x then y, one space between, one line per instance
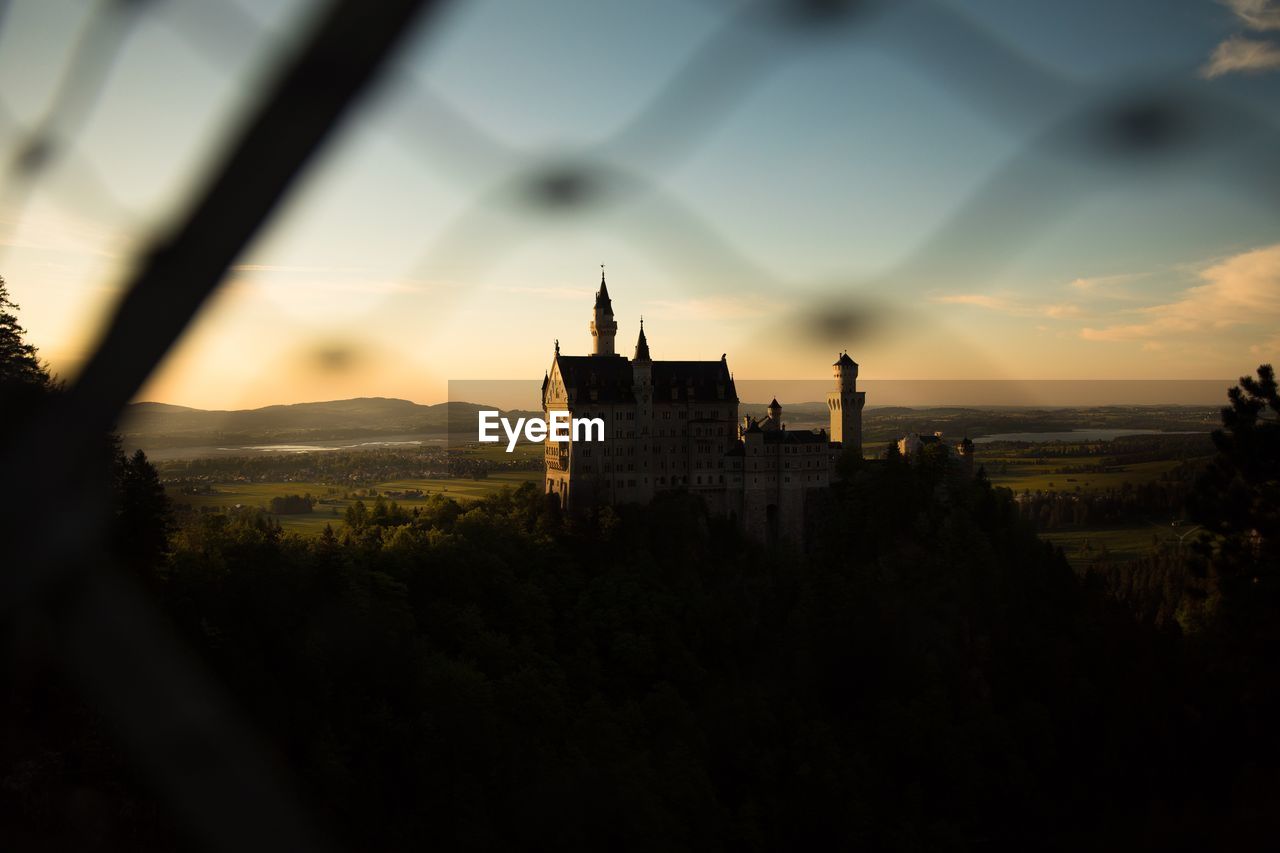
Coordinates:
602 295
603 326
642 345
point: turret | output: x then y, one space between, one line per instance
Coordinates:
846 373
642 367
774 421
603 327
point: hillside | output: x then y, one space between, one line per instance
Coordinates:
163 425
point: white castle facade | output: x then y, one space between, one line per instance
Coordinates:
675 425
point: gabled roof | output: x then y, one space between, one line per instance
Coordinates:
693 380
609 376
845 361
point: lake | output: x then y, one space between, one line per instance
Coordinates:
377 442
1077 435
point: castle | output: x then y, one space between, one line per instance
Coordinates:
674 425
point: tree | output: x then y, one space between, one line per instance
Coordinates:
19 363
144 517
1237 499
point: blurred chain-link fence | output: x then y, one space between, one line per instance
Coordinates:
298 74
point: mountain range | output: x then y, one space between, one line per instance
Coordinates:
165 425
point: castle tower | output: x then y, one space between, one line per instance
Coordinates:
603 327
774 421
642 389
642 370
845 404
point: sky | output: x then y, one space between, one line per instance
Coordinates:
992 189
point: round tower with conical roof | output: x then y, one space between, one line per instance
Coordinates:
603 326
845 404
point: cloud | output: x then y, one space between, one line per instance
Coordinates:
995 303
1242 54
578 294
326 287
1256 14
1269 349
720 307
1243 290
287 268
1011 307
1247 55
1102 284
62 233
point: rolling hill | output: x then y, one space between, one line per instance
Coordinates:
164 425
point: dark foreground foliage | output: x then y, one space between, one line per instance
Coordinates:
929 676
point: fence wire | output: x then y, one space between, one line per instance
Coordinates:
1087 136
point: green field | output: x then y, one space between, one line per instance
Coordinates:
498 452
1023 474
331 506
1083 545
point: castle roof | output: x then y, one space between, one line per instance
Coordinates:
845 361
693 380
613 382
610 378
795 436
775 404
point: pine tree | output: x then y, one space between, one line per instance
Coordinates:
19 363
145 517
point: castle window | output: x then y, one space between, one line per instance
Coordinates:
666 416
